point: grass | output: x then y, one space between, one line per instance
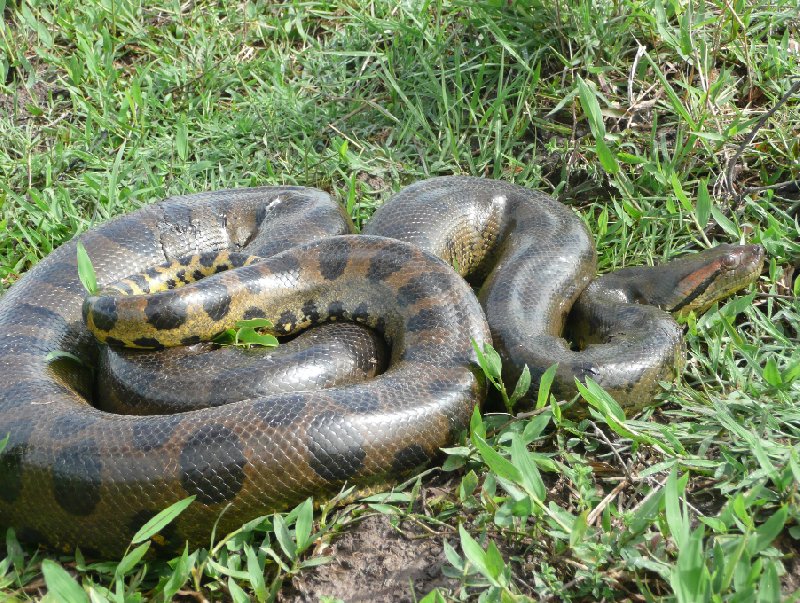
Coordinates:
643 115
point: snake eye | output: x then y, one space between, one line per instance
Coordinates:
731 260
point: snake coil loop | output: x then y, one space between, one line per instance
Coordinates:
72 474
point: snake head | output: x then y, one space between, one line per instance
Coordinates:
708 276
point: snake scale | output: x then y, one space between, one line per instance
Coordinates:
72 474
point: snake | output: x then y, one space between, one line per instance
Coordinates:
76 474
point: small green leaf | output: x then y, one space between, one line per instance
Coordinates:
494 563
61 586
769 587
86 270
315 561
226 337
473 552
724 222
453 557
579 528
476 426
703 209
468 484
481 359
182 139
545 383
771 373
601 399
131 560
254 323
4 442
493 362
237 593
606 156
255 574
536 426
284 537
768 531
252 337
523 385
690 578
61 354
161 519
179 575
433 597
677 188
522 460
591 108
501 466
678 524
303 525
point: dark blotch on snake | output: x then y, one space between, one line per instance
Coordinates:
11 458
77 477
30 314
148 343
140 281
421 287
212 464
287 319
361 313
311 311
284 262
114 342
104 313
253 312
386 263
237 260
67 425
409 458
207 259
217 302
191 340
427 318
148 434
336 310
197 274
333 264
438 387
335 446
33 536
166 311
36 390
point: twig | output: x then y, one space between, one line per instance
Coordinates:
599 433
595 513
790 186
752 134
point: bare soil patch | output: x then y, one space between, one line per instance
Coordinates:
376 562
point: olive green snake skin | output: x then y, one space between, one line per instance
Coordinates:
72 474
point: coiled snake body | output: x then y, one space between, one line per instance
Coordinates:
72 474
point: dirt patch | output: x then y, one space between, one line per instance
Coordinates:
376 562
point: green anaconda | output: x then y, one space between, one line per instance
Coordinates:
72 474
